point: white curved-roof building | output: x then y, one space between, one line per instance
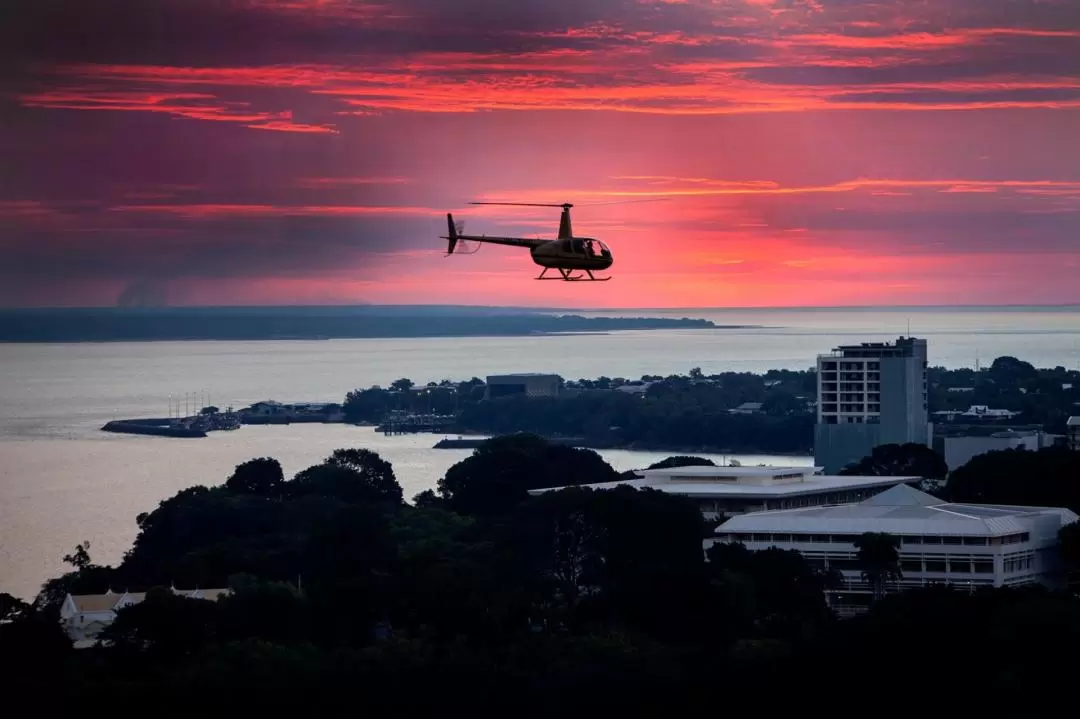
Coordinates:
734 490
940 542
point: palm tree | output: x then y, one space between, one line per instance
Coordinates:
879 558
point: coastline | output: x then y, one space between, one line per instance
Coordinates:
323 338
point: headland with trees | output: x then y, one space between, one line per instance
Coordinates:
770 413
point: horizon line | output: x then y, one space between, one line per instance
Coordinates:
543 308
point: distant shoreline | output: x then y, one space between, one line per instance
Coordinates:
315 338
301 324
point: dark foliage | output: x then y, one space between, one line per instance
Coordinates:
262 476
900 460
1047 478
487 599
500 472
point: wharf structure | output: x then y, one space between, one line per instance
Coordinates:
398 422
965 545
870 394
727 491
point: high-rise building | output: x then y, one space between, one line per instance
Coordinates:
870 394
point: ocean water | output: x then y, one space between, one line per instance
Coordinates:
63 481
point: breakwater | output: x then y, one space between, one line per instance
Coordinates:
154 427
474 442
196 426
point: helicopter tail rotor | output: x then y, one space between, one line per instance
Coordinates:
454 229
454 240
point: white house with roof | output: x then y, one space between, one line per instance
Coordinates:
981 411
735 490
84 616
970 545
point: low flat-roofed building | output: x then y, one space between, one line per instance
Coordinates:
960 450
724 491
528 384
970 545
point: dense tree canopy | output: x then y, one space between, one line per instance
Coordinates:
900 460
1047 478
694 410
257 476
486 599
502 470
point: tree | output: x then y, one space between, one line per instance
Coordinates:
1046 478
164 626
375 472
682 461
402 385
782 404
351 475
262 476
80 558
1069 547
879 558
900 460
502 470
12 608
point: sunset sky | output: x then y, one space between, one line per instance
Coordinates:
730 152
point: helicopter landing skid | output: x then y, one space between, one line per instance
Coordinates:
566 276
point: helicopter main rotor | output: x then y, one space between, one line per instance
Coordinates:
564 205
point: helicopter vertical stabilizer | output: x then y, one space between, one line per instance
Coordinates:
452 236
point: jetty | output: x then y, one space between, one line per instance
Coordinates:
474 442
190 427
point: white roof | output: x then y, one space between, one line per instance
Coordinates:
707 471
901 510
699 486
1073 422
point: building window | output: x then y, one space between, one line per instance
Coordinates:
975 541
960 566
984 566
935 566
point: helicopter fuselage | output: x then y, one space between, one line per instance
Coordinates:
575 253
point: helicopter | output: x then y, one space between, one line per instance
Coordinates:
574 258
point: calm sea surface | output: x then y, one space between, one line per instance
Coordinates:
62 480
